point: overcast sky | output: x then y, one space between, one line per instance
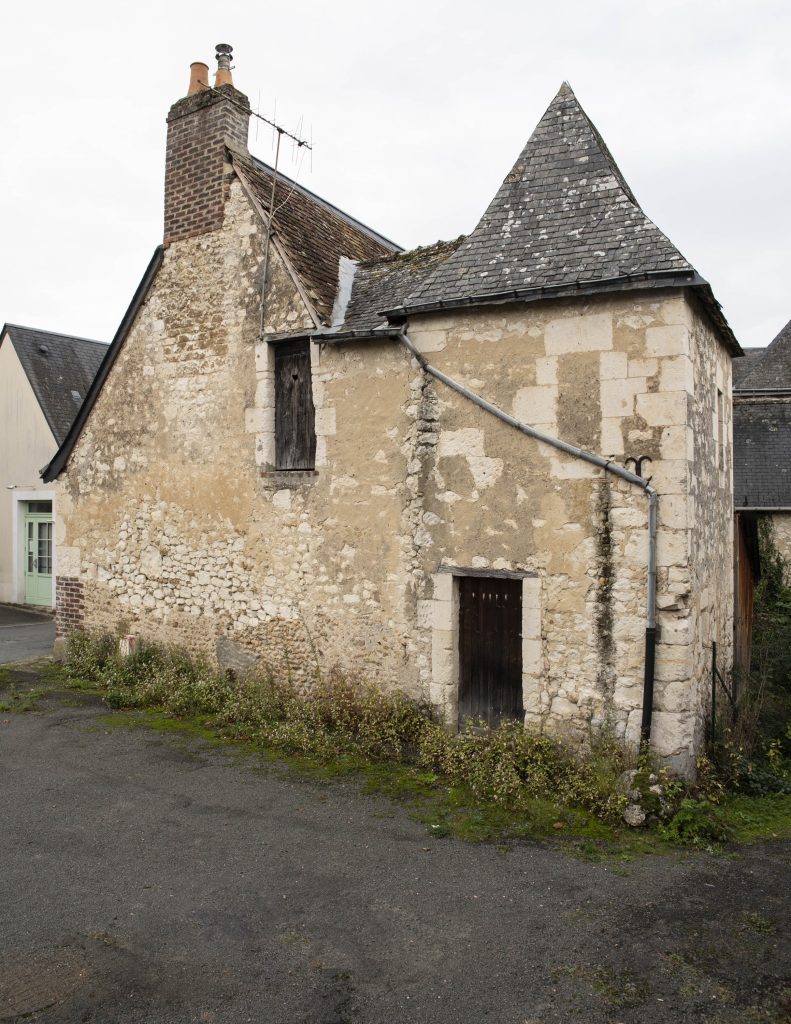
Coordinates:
418 109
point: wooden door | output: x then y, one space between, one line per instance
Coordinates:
295 431
490 649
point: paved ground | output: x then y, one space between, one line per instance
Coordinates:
142 880
24 635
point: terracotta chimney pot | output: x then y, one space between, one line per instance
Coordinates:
199 77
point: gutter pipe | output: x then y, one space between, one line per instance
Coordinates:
609 467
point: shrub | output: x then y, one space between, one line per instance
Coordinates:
696 823
508 765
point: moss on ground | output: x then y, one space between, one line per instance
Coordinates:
444 809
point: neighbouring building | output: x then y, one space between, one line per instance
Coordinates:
263 471
44 378
762 468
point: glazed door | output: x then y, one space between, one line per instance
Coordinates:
37 557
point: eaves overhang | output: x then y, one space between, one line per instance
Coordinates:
628 282
327 336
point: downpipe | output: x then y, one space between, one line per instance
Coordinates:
609 467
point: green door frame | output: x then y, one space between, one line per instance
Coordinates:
37 554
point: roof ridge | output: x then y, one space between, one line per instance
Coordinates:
566 91
53 334
261 165
776 352
451 244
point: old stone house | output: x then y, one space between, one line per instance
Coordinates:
289 455
762 469
44 378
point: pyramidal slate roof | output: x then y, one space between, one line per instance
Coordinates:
772 369
563 218
60 369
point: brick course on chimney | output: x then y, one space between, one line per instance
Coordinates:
198 128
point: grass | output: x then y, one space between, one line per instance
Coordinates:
497 786
752 819
20 701
445 811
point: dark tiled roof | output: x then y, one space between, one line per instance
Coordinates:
773 369
60 369
742 367
381 284
762 453
563 215
313 233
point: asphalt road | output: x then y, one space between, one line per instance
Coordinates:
24 635
145 880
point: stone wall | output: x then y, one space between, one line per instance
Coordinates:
178 526
781 534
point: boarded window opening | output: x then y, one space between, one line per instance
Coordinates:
490 649
295 427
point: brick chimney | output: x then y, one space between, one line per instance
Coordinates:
199 126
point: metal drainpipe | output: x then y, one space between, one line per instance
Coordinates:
609 467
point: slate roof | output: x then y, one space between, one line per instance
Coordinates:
773 369
380 284
314 233
563 217
743 366
762 453
60 369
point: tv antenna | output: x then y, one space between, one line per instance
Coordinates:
298 143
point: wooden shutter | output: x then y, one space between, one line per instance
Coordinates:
490 649
295 428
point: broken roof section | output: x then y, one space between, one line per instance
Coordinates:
563 220
60 369
314 233
380 284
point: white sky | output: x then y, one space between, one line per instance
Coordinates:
418 110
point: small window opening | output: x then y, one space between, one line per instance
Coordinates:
720 431
295 426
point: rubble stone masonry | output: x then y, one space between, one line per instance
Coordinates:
175 522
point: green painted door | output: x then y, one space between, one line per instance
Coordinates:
37 553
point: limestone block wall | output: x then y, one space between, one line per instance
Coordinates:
697 606
176 525
627 377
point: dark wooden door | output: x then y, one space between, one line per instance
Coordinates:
295 429
490 649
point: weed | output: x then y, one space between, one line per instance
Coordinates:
615 990
484 784
697 823
758 923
